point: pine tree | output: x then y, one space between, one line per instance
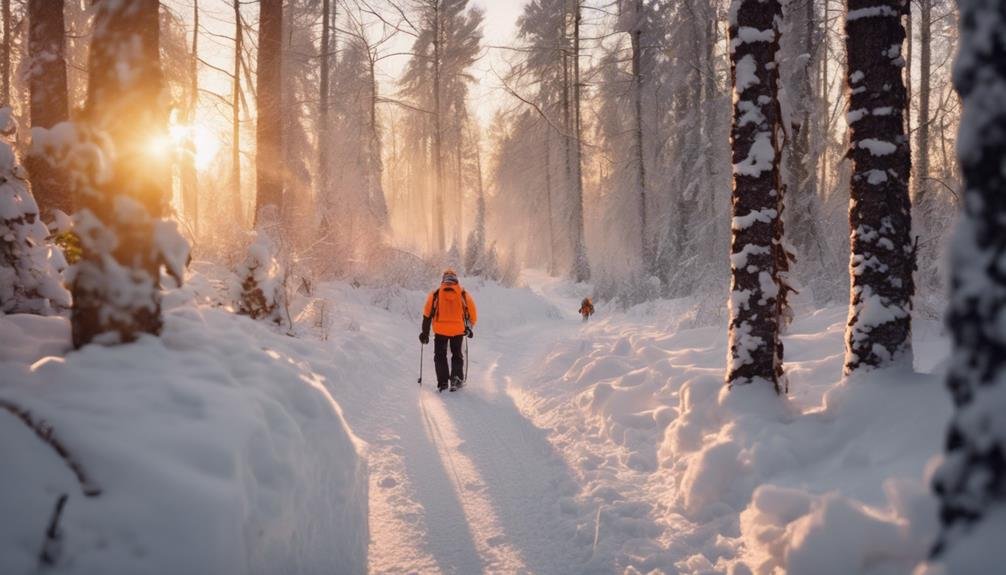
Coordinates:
883 257
437 79
971 482
756 287
29 278
120 183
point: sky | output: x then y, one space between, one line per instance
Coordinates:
500 25
216 19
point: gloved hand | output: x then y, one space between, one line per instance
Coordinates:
469 332
424 338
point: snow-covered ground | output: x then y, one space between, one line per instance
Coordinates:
611 446
602 447
217 449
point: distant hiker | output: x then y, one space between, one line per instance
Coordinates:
586 308
451 312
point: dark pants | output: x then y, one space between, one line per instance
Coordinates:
457 368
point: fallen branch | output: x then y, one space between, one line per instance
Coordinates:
46 433
53 536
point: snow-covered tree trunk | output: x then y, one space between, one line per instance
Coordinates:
971 482
755 346
49 102
269 165
883 257
116 295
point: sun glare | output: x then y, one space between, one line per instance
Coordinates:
206 142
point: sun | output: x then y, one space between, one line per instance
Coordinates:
205 141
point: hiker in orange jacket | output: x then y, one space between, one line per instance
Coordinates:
451 312
586 308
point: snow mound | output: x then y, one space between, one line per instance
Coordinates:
218 450
690 477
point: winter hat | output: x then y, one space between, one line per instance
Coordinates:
450 277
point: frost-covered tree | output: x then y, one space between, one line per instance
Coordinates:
757 289
883 256
29 274
121 185
632 125
436 79
475 249
262 290
355 208
971 482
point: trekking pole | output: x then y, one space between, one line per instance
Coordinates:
466 359
422 348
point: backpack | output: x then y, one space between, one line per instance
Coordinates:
435 309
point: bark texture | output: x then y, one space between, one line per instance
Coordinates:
756 350
49 102
880 219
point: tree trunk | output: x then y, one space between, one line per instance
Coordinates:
438 134
567 129
49 102
6 55
801 184
581 266
380 204
970 481
825 111
126 104
755 347
646 249
548 200
324 122
883 257
238 204
269 126
922 135
190 189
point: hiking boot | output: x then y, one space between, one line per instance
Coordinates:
441 386
456 383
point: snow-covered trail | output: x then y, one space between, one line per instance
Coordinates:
463 482
604 447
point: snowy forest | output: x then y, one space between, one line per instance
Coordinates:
721 285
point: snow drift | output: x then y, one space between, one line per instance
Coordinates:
218 450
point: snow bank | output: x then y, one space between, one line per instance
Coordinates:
685 476
218 450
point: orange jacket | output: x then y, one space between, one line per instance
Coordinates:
449 317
